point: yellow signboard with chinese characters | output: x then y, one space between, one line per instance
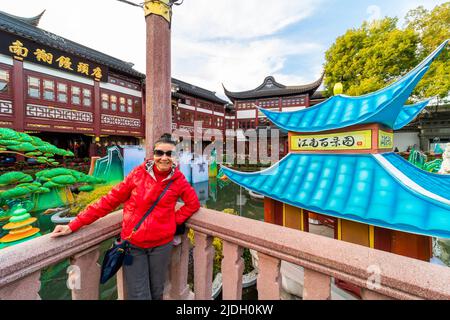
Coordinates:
28 51
385 140
354 140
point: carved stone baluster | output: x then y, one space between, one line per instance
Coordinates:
26 288
178 288
316 286
84 275
367 294
121 289
232 269
203 266
269 277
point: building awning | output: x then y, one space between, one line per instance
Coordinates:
381 190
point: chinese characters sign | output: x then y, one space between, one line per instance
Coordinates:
25 50
355 140
385 140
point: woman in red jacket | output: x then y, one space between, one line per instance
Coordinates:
151 244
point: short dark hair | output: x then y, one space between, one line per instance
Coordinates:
165 138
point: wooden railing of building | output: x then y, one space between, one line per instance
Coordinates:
322 259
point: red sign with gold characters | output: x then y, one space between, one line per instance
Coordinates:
26 50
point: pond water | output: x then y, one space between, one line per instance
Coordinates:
213 195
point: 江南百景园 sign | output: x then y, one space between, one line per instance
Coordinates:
355 140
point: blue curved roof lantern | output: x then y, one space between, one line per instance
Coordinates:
377 189
385 106
382 190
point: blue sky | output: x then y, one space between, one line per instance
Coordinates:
233 42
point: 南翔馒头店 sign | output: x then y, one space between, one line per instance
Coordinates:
27 50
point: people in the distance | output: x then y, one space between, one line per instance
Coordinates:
151 244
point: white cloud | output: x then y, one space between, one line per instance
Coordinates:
238 19
237 43
238 65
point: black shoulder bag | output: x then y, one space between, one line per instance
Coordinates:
119 253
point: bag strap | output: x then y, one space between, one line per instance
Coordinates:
150 210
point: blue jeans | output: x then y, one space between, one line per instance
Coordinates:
144 279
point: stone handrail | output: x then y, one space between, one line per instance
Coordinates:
321 257
20 265
400 277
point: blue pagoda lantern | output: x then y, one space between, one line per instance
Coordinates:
341 169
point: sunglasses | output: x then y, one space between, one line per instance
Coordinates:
160 153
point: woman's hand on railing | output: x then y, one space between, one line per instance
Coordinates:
60 230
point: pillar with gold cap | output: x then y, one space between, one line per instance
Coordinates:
158 113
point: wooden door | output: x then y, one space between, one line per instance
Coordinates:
411 245
355 232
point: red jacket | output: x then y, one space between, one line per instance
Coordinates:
138 192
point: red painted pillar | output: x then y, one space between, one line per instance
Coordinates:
96 118
18 82
158 114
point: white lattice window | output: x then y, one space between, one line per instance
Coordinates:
34 87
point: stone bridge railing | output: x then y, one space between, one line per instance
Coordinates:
322 258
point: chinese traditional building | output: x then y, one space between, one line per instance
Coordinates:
191 103
341 167
81 99
271 95
72 96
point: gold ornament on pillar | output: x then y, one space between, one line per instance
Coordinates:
161 8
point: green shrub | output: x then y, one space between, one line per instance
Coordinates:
86 198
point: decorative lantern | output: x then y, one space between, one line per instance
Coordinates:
338 88
19 228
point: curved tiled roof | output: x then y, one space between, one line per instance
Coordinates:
23 28
436 183
408 113
195 91
271 88
34 21
363 188
382 106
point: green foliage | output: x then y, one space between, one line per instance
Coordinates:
14 177
85 199
23 147
368 58
9 142
417 158
432 27
433 166
65 179
20 142
87 188
51 184
33 154
14 193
